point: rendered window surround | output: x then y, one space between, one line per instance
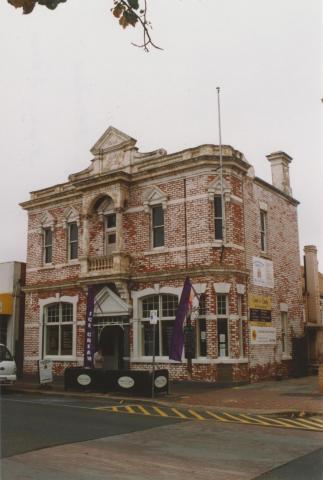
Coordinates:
137 296
166 306
43 303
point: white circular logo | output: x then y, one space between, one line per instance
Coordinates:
84 379
160 381
126 382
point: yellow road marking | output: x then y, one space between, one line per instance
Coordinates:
278 422
160 412
318 420
311 422
179 414
299 425
254 419
196 415
236 419
143 410
217 416
129 409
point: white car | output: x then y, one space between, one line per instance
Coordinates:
8 369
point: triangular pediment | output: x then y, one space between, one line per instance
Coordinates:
155 194
111 140
108 303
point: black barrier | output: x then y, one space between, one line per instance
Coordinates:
131 381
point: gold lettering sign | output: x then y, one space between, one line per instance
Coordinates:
260 302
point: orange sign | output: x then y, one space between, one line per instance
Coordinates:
6 304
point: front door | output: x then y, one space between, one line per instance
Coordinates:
111 342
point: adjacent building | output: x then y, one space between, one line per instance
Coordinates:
313 307
134 225
12 280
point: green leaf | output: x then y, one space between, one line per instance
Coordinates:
134 4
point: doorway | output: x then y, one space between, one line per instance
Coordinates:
111 343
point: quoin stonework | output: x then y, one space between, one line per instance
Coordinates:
134 225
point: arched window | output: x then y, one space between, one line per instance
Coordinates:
166 306
58 329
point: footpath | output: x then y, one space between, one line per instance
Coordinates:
291 395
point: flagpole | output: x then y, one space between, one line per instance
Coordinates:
221 169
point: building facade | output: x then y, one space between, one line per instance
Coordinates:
135 225
12 280
313 307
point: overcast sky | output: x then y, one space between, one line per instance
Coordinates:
66 75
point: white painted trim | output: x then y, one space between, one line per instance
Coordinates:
283 307
241 289
222 287
43 302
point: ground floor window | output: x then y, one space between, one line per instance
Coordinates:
166 306
223 337
201 339
58 326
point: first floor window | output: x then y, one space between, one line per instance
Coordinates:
263 230
284 331
58 323
73 240
218 217
158 226
48 245
166 306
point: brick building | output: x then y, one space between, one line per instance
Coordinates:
135 225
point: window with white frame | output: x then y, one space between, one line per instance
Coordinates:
218 217
158 230
166 306
58 329
284 330
72 240
47 245
239 310
201 339
222 324
263 230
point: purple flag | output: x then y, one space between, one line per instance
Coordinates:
177 340
89 330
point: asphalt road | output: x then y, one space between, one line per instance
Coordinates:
65 438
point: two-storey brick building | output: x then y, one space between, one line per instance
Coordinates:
135 225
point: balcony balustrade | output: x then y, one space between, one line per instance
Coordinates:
118 263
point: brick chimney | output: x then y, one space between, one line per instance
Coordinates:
280 171
312 284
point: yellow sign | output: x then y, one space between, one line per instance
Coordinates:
260 302
6 304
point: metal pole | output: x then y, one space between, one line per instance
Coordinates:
154 354
221 168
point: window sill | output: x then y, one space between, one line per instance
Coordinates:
156 250
56 358
217 243
74 261
47 266
265 255
228 360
